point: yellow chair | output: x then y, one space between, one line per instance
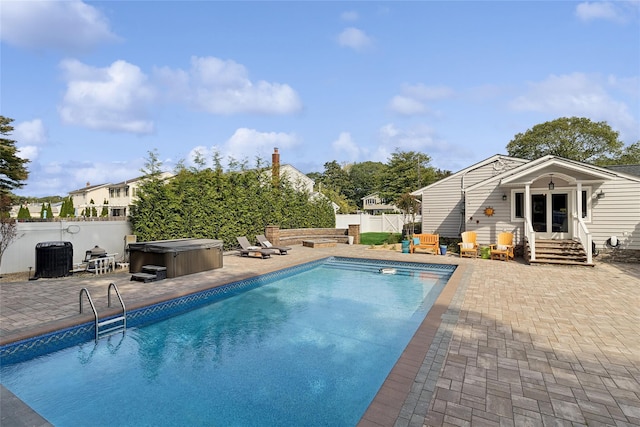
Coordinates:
428 242
469 244
503 250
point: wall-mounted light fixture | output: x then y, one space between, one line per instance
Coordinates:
551 184
504 197
600 194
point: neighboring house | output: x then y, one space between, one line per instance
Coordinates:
297 179
83 196
119 196
374 205
548 198
35 209
123 194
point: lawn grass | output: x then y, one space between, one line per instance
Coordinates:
379 238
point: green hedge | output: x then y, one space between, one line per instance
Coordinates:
210 203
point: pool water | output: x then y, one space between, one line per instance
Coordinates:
309 349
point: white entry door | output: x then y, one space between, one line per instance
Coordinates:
550 214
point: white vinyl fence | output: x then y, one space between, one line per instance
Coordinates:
83 235
385 223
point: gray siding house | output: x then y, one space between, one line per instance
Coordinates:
550 198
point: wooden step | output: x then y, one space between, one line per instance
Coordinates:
558 252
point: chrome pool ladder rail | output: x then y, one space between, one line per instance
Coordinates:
114 324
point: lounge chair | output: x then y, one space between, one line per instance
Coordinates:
503 250
282 250
246 249
469 245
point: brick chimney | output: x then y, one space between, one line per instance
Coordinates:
275 167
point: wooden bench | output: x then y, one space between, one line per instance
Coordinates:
428 242
319 243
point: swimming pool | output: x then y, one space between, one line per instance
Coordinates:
307 346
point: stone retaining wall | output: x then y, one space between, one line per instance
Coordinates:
620 255
295 236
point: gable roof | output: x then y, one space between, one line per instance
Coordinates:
492 159
522 173
88 188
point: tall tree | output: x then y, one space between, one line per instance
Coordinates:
335 177
13 170
575 138
365 179
629 156
406 171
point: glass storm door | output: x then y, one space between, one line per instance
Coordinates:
550 215
559 215
539 212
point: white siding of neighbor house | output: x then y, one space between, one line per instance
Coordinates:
297 179
82 199
442 201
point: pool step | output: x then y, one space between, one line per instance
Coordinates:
377 268
116 324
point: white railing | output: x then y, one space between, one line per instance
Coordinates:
530 235
584 236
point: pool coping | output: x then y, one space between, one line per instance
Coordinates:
393 401
412 380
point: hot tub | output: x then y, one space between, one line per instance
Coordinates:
180 256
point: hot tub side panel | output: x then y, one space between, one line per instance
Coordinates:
179 260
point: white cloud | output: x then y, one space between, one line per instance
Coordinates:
60 25
249 144
114 98
420 138
345 144
354 38
28 136
606 10
29 152
413 99
31 132
581 95
223 87
407 106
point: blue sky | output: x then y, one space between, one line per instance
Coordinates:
94 86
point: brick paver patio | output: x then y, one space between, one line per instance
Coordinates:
508 345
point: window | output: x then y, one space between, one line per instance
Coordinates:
584 204
519 205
